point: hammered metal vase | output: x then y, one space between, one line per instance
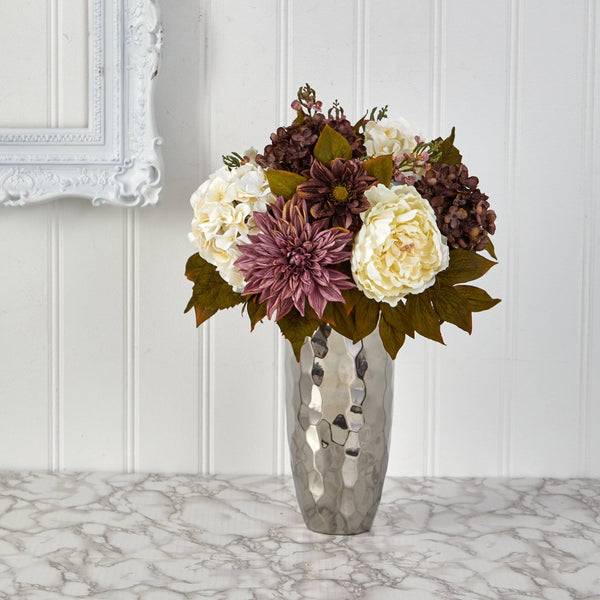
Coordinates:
339 415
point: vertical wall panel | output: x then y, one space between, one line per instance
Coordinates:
549 278
94 354
399 60
168 358
593 372
399 74
322 45
24 338
243 113
24 39
470 367
281 458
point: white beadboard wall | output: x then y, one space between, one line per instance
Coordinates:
101 370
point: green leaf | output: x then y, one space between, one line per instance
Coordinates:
299 118
283 183
365 316
354 323
330 145
450 306
450 154
422 316
337 315
202 314
257 311
398 317
392 339
296 328
476 298
381 167
490 249
360 123
464 266
211 292
393 327
351 298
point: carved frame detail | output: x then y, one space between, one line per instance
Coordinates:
117 159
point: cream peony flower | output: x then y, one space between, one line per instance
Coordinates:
223 208
399 249
389 137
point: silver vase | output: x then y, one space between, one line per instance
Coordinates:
339 415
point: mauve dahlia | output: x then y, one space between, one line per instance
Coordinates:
287 262
336 192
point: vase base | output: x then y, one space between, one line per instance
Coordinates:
337 525
341 532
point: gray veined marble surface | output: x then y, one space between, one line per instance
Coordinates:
158 537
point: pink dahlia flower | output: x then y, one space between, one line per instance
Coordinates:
287 262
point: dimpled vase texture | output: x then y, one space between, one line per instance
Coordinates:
339 414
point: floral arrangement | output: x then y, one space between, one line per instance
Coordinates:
357 226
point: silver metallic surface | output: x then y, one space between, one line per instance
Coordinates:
339 414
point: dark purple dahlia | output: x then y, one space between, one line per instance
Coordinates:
336 192
287 263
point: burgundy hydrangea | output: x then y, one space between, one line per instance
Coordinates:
461 208
287 263
291 147
336 192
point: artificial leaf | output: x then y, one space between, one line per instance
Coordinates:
381 167
490 249
465 266
257 311
299 118
450 154
330 145
365 316
398 317
393 327
476 298
360 123
450 306
392 339
351 298
283 183
355 323
422 316
211 292
337 315
295 328
202 314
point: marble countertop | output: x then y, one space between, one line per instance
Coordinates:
161 537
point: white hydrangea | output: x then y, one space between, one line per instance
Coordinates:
223 208
399 249
389 137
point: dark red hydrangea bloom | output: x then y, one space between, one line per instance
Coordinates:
291 147
462 210
287 262
336 192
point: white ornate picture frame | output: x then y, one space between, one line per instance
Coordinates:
116 159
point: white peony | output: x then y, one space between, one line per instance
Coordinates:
399 249
389 137
223 208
